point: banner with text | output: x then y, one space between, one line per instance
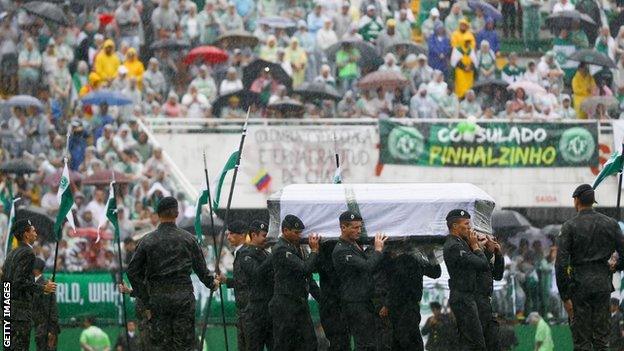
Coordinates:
489 144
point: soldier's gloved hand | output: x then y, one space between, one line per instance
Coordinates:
49 287
314 242
216 284
124 289
148 314
221 278
383 312
567 304
380 241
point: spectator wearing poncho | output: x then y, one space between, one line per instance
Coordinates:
107 62
439 49
370 25
428 25
134 66
489 33
583 86
486 62
463 59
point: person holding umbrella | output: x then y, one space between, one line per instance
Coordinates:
583 86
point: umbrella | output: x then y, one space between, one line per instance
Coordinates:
236 39
188 224
508 222
24 101
40 219
252 71
528 87
53 179
289 107
409 47
91 233
47 11
592 57
170 44
277 22
369 56
109 97
551 230
488 10
18 166
209 54
104 177
531 235
317 91
590 104
496 83
565 19
246 99
386 79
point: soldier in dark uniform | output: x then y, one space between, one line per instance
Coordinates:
19 280
143 316
617 326
585 245
440 329
236 236
255 263
404 272
46 338
160 273
485 287
292 324
355 270
464 259
332 318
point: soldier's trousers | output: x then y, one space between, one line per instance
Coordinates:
466 313
489 324
406 336
240 330
41 338
20 336
258 326
292 324
590 326
334 324
361 318
173 320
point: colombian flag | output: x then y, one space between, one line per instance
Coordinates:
262 180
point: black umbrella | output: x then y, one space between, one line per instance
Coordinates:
508 222
406 48
565 19
592 57
188 224
253 70
368 53
288 107
496 83
317 91
246 99
18 166
47 11
170 44
40 219
236 39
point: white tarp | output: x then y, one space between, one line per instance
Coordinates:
405 209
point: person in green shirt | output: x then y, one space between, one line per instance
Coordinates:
93 338
543 335
347 62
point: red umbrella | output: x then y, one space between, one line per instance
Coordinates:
385 79
209 54
91 233
104 177
53 179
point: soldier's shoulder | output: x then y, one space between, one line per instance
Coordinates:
341 246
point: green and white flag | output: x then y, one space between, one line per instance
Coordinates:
201 201
8 243
611 167
110 214
66 201
229 165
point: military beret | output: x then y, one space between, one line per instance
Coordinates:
349 216
258 226
237 227
39 264
292 222
582 189
21 226
166 203
457 213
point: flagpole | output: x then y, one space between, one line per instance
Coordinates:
619 194
217 270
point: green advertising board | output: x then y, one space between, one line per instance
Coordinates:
489 144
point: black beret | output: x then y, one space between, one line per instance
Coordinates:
166 203
349 216
583 189
21 226
457 213
258 226
39 264
292 222
237 227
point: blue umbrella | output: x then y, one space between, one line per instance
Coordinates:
109 97
24 101
488 10
277 22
